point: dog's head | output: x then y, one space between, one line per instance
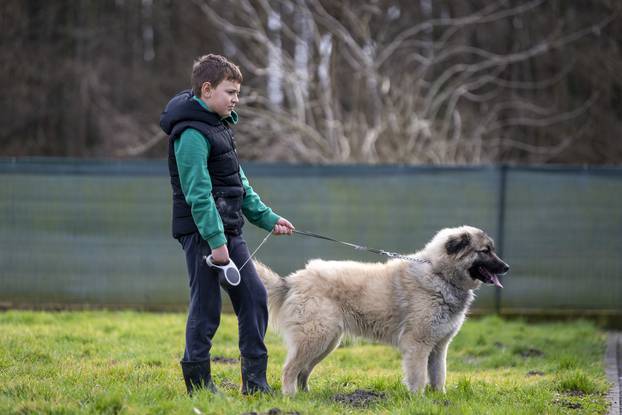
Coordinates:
466 256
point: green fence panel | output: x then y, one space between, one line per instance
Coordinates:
84 239
563 233
78 232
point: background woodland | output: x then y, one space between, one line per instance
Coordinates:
413 82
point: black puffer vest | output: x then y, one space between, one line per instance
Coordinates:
222 164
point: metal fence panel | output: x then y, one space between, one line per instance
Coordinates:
564 238
88 240
97 232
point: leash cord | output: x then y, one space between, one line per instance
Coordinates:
255 251
364 248
355 246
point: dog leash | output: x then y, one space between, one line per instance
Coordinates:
351 245
364 248
256 249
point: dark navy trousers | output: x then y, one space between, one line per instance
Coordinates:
249 301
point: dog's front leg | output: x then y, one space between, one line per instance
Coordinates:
415 361
437 365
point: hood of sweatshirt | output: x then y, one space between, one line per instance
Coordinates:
182 107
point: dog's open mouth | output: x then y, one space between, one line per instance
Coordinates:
484 275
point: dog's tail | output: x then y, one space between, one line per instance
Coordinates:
277 288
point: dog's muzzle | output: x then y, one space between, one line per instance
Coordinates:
489 273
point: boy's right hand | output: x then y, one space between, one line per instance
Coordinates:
220 255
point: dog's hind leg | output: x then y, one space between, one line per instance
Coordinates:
305 349
296 360
303 376
295 364
303 380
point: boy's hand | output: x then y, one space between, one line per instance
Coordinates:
220 255
283 227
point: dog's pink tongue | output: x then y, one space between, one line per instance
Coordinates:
493 277
495 280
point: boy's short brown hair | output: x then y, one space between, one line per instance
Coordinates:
213 69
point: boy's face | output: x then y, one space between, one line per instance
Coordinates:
223 98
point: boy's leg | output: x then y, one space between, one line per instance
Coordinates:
250 303
203 313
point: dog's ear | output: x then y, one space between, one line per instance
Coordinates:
458 243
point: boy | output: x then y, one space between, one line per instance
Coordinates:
210 195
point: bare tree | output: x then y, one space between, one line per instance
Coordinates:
390 84
378 81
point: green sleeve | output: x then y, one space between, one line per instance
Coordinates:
254 209
191 151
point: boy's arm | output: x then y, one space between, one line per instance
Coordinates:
254 209
191 152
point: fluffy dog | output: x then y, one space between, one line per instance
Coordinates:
416 306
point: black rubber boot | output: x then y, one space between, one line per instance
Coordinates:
254 376
197 375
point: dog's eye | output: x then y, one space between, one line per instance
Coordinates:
485 250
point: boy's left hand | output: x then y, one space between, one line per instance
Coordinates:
283 227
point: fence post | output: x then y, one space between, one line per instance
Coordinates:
501 194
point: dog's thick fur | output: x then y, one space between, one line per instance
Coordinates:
418 307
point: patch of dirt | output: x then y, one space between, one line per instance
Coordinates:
575 392
225 360
568 404
273 411
531 352
535 373
360 398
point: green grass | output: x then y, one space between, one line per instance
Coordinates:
127 363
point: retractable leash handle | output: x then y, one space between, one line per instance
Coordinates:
227 274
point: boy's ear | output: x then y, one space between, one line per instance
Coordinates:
206 90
